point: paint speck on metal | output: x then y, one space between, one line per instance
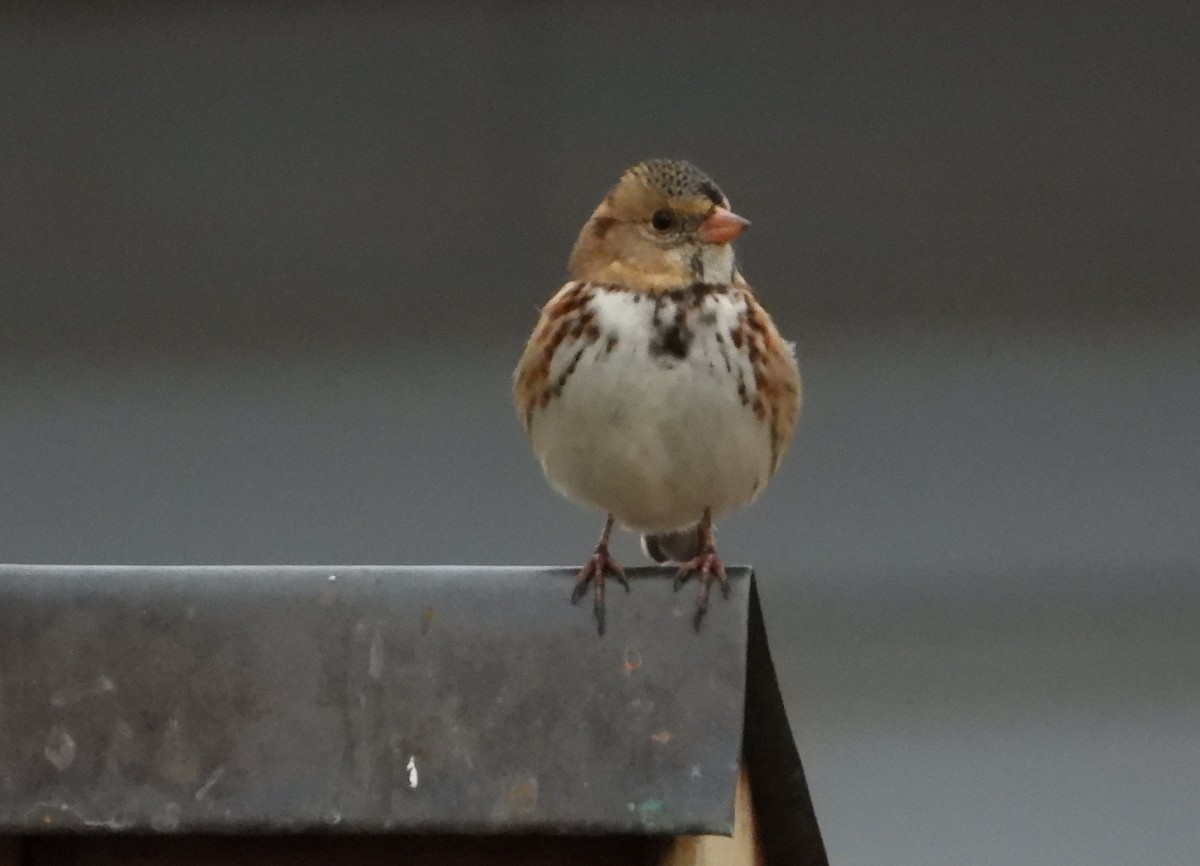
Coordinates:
166 820
213 778
60 748
413 778
65 697
519 797
649 812
178 760
633 660
375 657
523 796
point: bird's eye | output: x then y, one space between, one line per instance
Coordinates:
662 220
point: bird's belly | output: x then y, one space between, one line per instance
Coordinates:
654 442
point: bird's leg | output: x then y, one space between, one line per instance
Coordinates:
593 572
704 567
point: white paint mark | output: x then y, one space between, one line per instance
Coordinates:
213 778
166 820
50 814
108 824
696 774
102 685
60 748
333 577
375 658
412 771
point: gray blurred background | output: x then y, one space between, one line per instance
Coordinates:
265 270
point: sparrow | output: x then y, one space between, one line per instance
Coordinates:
655 387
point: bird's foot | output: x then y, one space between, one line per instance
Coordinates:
594 571
705 568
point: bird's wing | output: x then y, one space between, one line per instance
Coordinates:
776 373
531 380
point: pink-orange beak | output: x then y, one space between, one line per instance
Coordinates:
721 226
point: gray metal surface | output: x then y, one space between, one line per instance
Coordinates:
184 699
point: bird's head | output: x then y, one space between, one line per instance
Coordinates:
665 225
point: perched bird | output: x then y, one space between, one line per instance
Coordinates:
655 387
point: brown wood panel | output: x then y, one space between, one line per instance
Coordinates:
742 849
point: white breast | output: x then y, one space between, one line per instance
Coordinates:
652 428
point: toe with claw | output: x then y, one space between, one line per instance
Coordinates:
595 572
705 567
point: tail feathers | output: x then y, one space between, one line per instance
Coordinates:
679 546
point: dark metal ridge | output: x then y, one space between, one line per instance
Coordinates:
787 824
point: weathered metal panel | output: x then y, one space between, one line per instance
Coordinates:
453 699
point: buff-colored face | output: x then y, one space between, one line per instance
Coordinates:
664 225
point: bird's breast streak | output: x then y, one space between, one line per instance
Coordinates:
672 328
654 427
